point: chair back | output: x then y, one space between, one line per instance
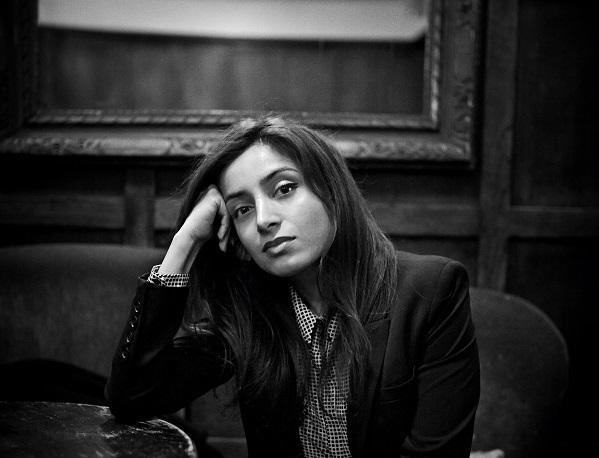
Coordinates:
524 375
68 302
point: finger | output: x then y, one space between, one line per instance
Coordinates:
224 242
225 221
200 197
224 218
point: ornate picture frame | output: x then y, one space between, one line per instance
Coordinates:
442 133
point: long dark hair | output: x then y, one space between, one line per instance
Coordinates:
250 308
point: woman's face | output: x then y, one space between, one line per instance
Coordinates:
281 223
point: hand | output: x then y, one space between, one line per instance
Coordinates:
209 212
201 223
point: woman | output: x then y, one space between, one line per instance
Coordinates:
341 346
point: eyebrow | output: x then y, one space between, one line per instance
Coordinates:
263 181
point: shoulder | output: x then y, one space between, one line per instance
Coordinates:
428 287
425 275
430 290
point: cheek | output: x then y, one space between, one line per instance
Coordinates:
245 237
318 223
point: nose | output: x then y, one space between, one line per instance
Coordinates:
267 217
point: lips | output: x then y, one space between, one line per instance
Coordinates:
275 242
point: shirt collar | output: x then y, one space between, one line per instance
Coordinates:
306 318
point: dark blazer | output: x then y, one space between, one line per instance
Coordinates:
422 386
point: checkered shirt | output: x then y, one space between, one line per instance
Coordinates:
169 280
323 433
324 429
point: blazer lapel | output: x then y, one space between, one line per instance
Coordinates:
359 410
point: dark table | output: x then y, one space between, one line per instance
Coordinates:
54 429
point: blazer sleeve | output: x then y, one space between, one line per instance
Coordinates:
154 372
447 372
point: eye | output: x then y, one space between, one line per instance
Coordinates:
241 211
285 189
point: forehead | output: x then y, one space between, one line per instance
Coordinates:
255 163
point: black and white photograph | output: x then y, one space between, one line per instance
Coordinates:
299 228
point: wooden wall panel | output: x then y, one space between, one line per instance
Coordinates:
10 110
497 138
61 175
20 234
169 180
139 207
550 222
555 146
454 186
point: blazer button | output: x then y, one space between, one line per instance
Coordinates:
124 354
129 338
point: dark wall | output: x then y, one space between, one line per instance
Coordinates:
556 164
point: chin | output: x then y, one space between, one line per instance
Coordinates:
283 271
286 268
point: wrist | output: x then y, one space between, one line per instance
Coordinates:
180 255
184 240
